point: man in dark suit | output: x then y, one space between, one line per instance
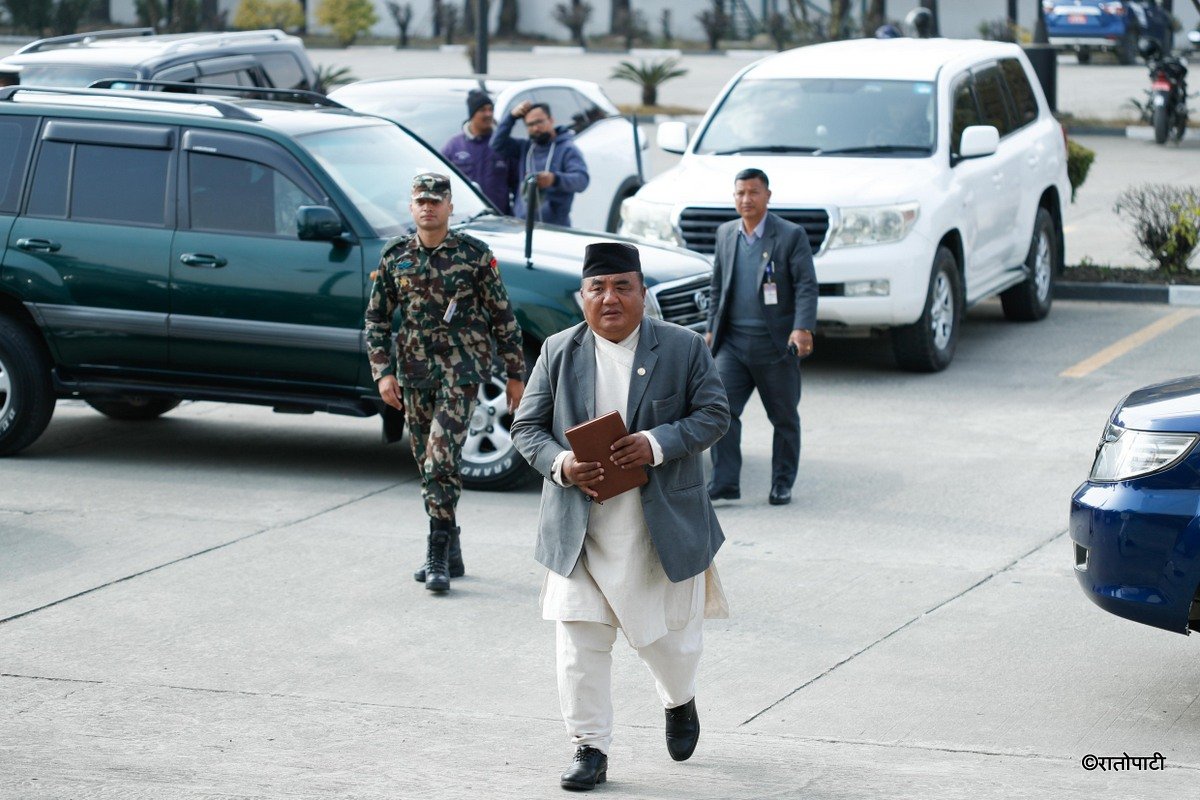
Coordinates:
642 560
761 314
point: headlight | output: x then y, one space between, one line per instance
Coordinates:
648 220
874 225
1125 454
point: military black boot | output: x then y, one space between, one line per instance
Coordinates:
457 570
437 558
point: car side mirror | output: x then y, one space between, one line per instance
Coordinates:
672 137
978 141
1194 37
318 224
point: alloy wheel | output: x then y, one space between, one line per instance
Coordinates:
941 313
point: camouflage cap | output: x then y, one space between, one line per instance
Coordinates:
432 185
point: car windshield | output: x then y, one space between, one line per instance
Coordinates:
433 117
375 166
70 74
824 117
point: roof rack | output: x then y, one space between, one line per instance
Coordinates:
316 98
224 37
224 107
84 38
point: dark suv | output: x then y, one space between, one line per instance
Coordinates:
243 58
158 247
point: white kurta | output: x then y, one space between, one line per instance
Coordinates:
619 579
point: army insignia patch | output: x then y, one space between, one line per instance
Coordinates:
493 264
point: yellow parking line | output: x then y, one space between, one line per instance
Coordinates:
1133 340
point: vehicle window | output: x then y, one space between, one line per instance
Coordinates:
374 166
966 114
16 136
284 71
48 196
237 77
989 90
564 107
1020 91
592 110
119 184
70 75
824 116
238 196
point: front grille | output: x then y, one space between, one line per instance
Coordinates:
679 304
699 225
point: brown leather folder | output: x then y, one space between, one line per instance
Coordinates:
591 440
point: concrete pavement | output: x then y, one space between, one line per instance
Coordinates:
218 604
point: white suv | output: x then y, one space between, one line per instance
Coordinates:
929 175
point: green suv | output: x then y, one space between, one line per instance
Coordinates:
159 247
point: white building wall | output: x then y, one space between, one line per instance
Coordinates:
959 18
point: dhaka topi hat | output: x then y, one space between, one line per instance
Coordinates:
431 185
610 258
477 99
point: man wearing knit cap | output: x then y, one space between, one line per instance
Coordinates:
643 560
471 151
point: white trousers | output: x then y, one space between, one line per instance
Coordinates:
585 674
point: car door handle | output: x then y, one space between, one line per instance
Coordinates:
202 260
38 246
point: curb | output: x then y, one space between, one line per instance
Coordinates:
1128 293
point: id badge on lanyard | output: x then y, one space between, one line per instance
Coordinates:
770 291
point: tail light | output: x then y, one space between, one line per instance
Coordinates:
1159 82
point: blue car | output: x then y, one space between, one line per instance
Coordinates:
1087 25
1135 522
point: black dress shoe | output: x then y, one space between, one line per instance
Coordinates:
588 768
724 493
780 495
683 730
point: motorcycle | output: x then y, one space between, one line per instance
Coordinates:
1166 104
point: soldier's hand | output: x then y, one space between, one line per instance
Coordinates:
514 391
522 108
545 180
583 474
632 451
389 390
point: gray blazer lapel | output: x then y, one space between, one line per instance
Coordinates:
585 371
728 246
644 359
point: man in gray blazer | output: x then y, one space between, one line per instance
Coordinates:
761 314
642 560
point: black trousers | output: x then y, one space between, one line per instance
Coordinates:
747 362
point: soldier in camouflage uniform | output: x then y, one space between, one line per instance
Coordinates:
452 304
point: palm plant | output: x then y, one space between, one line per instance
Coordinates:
649 76
330 76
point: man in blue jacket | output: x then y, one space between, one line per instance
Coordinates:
470 150
549 157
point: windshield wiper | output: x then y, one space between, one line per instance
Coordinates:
487 212
766 148
876 148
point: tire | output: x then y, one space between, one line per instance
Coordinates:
490 461
1162 124
1084 54
132 407
627 190
1030 300
26 392
928 344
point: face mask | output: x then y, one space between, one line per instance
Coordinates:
542 138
